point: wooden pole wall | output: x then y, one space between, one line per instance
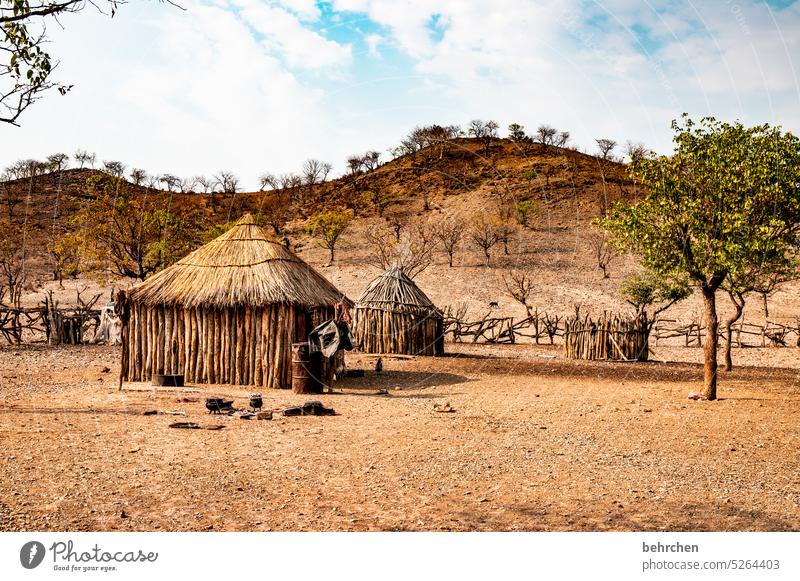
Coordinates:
240 345
379 331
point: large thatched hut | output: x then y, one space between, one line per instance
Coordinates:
226 313
395 316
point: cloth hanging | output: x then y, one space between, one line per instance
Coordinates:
330 337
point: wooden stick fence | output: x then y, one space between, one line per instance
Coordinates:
609 338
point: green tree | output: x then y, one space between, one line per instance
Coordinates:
726 202
131 235
643 291
328 228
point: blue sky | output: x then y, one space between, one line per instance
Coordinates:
258 85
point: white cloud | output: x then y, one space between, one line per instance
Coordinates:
285 34
373 43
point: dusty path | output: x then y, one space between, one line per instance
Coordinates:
536 443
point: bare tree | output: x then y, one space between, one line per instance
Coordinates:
58 162
313 170
208 184
187 185
12 196
12 264
450 232
83 158
484 234
170 181
267 181
604 253
485 131
561 139
519 284
371 160
545 135
413 252
355 163
138 176
505 233
606 146
635 151
114 168
227 182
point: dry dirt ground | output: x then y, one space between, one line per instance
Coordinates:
536 443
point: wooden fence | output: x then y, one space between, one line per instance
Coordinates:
536 327
49 322
773 334
545 327
610 337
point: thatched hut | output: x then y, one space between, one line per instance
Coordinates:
395 316
226 313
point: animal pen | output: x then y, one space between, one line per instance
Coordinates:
395 316
612 338
226 313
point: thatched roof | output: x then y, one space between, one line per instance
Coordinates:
395 292
241 267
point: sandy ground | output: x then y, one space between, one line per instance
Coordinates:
536 443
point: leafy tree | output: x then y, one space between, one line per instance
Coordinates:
328 228
524 212
516 133
379 197
130 235
27 74
642 291
726 203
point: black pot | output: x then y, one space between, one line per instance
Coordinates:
256 401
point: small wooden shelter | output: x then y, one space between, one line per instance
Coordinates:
395 316
226 313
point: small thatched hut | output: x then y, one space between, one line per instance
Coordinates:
395 316
226 313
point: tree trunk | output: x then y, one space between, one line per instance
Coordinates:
712 339
738 305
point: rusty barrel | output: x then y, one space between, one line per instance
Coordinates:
306 370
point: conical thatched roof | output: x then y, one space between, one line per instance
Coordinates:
241 267
395 292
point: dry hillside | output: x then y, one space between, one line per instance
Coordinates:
568 190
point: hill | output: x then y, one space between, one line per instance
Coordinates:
459 178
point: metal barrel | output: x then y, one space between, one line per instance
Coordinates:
305 370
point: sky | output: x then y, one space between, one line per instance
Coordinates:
255 86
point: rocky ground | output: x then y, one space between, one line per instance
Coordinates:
536 442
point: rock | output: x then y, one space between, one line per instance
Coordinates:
105 370
264 416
